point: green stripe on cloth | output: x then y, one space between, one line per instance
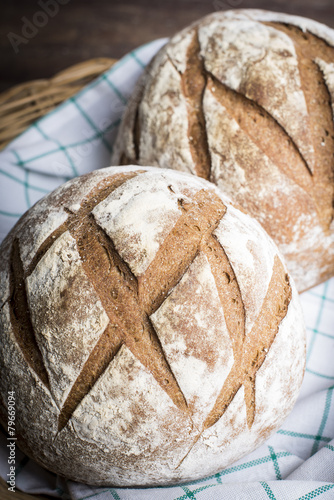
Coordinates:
268 490
26 189
136 58
20 181
192 494
302 435
315 493
115 494
275 462
329 299
219 478
62 107
321 333
329 447
92 124
237 468
61 147
189 494
115 89
26 179
328 377
254 463
324 419
9 214
94 137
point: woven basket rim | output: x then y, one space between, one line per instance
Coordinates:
23 104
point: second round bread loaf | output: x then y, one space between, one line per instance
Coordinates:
245 99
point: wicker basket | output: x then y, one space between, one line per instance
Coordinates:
23 104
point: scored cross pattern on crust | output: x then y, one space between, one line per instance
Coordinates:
252 118
129 301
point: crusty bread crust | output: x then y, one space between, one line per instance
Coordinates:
244 99
149 329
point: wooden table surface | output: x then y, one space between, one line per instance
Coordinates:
84 29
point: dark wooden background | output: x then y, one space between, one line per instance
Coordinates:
83 29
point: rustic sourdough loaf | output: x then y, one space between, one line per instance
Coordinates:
149 329
245 99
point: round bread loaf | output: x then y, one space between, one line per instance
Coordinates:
149 329
245 99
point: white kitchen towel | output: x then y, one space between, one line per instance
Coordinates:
295 463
